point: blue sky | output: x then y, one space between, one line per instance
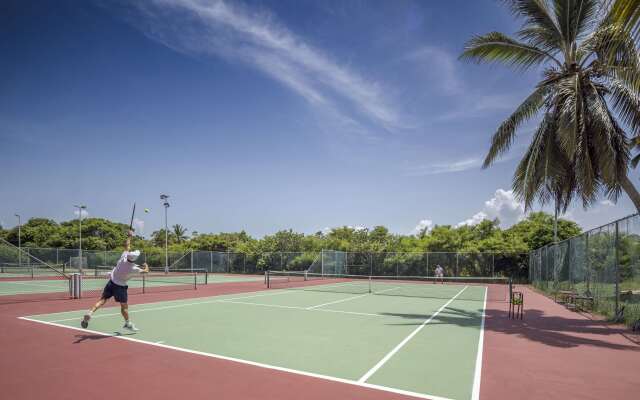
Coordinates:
258 115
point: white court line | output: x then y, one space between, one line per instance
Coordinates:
252 363
337 301
162 308
401 344
475 394
301 308
349 298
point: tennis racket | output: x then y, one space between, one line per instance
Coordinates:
133 214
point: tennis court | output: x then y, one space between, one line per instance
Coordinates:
47 282
417 338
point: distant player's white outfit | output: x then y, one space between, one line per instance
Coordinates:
439 274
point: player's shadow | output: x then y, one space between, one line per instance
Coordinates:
85 337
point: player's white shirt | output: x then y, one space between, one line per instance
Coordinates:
439 271
124 270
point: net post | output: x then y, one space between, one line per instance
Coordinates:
144 283
370 289
267 279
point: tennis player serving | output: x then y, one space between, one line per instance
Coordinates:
117 285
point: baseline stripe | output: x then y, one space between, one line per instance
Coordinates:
252 363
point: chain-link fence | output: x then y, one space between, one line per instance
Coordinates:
24 273
602 264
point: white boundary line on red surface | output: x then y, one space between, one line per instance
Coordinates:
406 340
477 376
247 362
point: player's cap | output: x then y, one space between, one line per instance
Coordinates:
133 255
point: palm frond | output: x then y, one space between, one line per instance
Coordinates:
626 102
626 13
575 17
537 13
502 139
498 47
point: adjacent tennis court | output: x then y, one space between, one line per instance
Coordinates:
418 338
15 284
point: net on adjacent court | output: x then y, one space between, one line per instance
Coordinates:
24 277
150 282
497 289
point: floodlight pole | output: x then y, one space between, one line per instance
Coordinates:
19 241
80 208
166 205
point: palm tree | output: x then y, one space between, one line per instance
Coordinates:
180 232
626 13
588 92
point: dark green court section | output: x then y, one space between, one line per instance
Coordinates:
13 287
334 334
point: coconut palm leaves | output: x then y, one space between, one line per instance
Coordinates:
589 91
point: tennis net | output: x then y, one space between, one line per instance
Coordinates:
149 282
497 289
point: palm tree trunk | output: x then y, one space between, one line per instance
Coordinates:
631 191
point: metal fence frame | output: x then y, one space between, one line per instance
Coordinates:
602 263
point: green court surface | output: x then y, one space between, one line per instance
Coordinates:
428 347
15 287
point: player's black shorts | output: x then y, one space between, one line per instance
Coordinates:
116 291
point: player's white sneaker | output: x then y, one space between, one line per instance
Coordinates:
130 326
85 321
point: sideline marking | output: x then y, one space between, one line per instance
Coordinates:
253 363
159 308
475 393
406 340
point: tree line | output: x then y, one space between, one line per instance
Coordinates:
535 231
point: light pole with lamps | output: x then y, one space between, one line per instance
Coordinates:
80 209
164 198
19 241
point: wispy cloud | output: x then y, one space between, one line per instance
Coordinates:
440 68
443 168
254 37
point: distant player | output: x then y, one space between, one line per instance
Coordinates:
439 274
117 285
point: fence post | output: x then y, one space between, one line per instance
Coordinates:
617 270
493 264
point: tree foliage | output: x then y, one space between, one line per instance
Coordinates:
100 234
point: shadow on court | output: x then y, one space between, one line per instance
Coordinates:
91 337
553 327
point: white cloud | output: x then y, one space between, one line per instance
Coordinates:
422 225
257 39
503 205
443 168
85 213
475 220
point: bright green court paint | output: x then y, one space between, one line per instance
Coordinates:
9 287
285 328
